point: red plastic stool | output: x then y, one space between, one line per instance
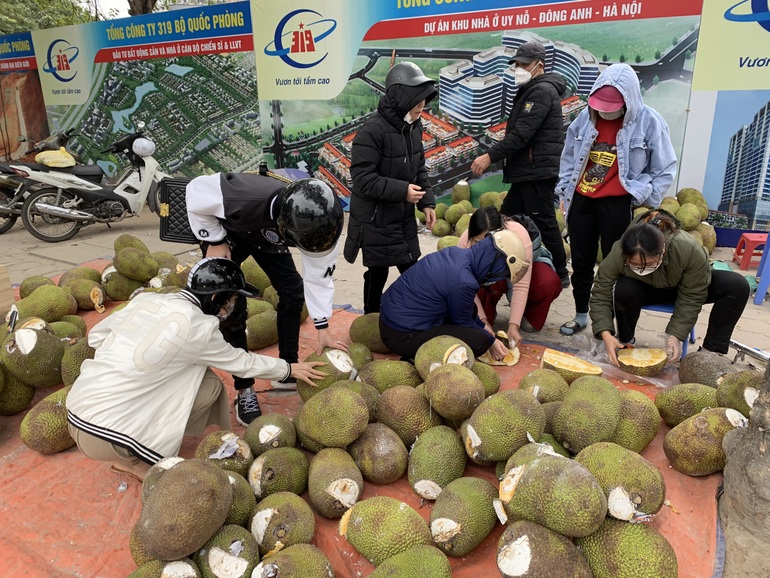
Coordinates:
750 245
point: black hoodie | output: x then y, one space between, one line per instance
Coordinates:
387 156
534 133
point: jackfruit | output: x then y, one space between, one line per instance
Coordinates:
463 515
709 236
689 216
72 359
462 223
89 294
360 355
555 492
303 560
547 438
381 527
621 549
303 438
488 199
165 260
440 210
178 277
184 568
119 287
135 264
156 472
334 482
79 273
436 459
127 240
694 196
529 452
490 379
550 410
589 413
255 275
529 550
420 215
369 393
379 454
545 384
634 487
684 400
244 501
739 390
670 204
694 447
29 284
337 365
278 470
282 518
521 413
47 302
255 306
262 330
268 431
138 552
407 412
270 294
461 191
447 241
231 552
366 330
77 321
65 329
441 350
639 421
568 366
421 560
44 428
334 417
441 228
187 506
227 450
34 356
642 361
454 391
386 373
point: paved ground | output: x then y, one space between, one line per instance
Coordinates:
24 256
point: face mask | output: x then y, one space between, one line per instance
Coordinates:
408 118
611 115
646 271
522 76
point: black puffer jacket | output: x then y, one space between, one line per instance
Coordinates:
534 133
388 156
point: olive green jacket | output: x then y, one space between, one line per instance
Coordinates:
685 266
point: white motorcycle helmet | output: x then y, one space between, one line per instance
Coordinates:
143 147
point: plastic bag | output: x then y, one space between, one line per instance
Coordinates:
57 159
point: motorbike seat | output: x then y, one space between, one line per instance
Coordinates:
91 173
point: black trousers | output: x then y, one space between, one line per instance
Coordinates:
374 284
284 277
728 291
536 199
589 223
406 343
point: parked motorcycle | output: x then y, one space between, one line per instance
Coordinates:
66 202
14 188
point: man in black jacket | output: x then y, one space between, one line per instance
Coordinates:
389 178
531 149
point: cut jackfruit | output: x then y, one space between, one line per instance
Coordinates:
568 366
645 362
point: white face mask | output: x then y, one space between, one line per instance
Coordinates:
611 115
647 270
408 118
522 76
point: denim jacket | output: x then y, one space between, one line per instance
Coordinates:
646 157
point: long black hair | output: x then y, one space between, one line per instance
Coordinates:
484 220
647 238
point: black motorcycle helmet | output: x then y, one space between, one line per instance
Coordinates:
407 73
310 216
214 280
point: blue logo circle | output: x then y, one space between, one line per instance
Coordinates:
760 13
59 58
276 47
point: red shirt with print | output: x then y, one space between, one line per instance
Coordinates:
600 178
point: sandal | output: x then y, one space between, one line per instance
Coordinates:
121 472
571 327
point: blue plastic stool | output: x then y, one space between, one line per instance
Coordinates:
669 308
764 279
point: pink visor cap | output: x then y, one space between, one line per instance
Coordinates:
606 99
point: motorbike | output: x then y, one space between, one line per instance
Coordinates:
64 202
14 189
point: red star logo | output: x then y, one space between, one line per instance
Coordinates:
301 26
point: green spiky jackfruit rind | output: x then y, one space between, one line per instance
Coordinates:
128 240
589 413
739 390
431 354
165 260
79 273
255 275
542 551
184 568
282 517
618 548
421 560
381 527
550 410
639 421
29 284
454 391
334 417
334 482
380 454
81 291
189 503
704 367
337 365
616 467
244 501
44 429
135 264
463 515
119 287
437 456
48 302
441 228
360 354
268 431
76 320
368 392
34 356
72 359
407 412
576 502
262 330
462 224
65 329
447 241
489 377
298 560
138 552
231 547
461 191
684 400
282 469
16 396
545 384
255 306
386 373
227 450
366 329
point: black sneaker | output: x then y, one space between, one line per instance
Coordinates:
246 406
290 384
564 282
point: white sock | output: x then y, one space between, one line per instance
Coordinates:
582 319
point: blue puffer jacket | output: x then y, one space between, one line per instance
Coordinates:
440 288
646 157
